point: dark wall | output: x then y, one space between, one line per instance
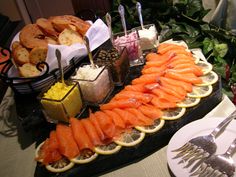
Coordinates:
100 7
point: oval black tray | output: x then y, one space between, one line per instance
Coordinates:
150 144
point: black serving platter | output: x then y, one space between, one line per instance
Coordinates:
150 144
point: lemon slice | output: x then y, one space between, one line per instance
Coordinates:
60 166
205 66
130 138
200 91
37 151
158 124
189 102
208 79
85 156
173 113
107 149
196 58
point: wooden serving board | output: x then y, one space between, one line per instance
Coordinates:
150 144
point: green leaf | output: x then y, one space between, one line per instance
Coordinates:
183 1
220 50
193 32
194 6
233 77
220 60
228 92
220 69
205 27
207 45
177 28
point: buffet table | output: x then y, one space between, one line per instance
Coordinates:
154 164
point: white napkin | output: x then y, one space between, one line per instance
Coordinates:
97 34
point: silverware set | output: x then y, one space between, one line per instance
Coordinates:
199 153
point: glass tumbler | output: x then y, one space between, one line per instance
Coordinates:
95 85
60 102
132 44
117 62
148 36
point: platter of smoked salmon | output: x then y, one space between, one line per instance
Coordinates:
174 87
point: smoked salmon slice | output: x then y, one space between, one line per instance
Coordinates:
195 69
152 86
91 131
80 135
150 111
94 121
152 56
130 119
192 69
67 144
190 78
186 65
53 140
175 63
163 103
141 97
174 90
136 87
147 78
117 120
185 85
125 103
179 51
106 124
141 117
182 57
154 69
157 57
156 63
162 94
50 150
164 49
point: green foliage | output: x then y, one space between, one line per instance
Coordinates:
184 21
152 11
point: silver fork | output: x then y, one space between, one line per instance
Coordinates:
218 165
199 148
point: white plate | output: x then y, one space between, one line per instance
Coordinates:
194 129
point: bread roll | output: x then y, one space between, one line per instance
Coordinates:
37 54
69 37
46 26
81 25
59 22
31 36
51 40
16 44
28 70
20 55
